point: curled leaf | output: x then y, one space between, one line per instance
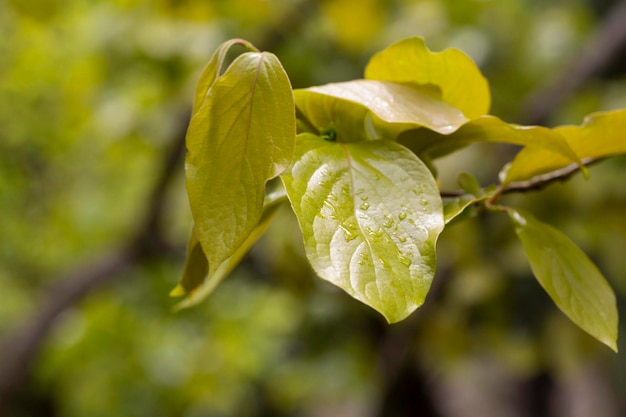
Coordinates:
242 135
409 61
600 135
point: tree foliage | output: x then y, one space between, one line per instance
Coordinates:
369 209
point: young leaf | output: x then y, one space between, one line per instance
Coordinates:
370 213
570 278
600 135
346 106
213 68
194 282
455 206
410 61
241 136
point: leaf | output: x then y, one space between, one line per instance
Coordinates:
487 129
241 136
455 206
570 278
600 135
370 213
212 70
195 270
410 61
346 107
194 282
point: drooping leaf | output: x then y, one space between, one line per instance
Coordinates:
600 135
195 282
487 129
241 136
410 61
382 109
370 213
573 282
212 70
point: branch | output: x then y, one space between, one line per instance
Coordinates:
601 46
535 183
540 181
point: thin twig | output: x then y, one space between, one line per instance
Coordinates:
535 183
540 181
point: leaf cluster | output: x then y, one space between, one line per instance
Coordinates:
356 162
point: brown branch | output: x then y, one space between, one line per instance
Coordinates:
535 183
540 181
601 46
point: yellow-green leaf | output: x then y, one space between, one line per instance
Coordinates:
195 282
370 213
213 68
601 135
242 135
394 108
195 270
487 129
410 61
573 282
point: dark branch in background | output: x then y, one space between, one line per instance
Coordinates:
21 348
597 52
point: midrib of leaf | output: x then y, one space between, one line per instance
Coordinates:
372 252
244 158
354 203
252 90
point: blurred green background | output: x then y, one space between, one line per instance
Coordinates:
94 95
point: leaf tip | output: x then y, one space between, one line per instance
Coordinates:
178 291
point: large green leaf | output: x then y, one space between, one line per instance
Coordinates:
394 108
487 129
370 214
242 135
459 79
601 134
195 282
573 282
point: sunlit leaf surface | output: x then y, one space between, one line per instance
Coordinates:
601 135
370 213
405 106
570 278
213 70
459 79
240 137
487 129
